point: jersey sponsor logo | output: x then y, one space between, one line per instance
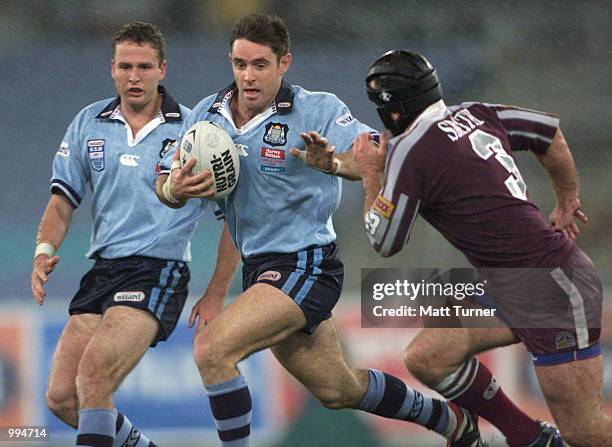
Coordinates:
277 169
63 150
273 157
129 160
276 154
491 390
95 150
172 114
276 134
345 120
270 275
383 206
283 105
167 144
565 340
134 297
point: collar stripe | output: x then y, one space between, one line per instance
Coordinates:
169 108
283 103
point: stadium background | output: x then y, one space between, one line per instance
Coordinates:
547 55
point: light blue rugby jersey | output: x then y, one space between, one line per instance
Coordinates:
98 150
280 205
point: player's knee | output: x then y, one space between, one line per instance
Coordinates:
93 378
209 354
62 404
428 367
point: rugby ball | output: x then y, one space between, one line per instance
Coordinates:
214 150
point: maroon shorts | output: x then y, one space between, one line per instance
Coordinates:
555 312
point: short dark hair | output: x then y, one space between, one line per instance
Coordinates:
263 29
141 33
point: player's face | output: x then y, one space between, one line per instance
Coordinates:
137 72
258 74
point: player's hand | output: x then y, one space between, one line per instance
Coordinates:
205 310
42 266
186 186
562 217
318 155
368 157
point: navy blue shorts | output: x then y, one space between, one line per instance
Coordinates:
155 285
312 278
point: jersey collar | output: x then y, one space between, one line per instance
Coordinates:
283 103
169 108
433 109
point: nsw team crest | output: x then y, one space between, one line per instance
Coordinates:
276 134
95 150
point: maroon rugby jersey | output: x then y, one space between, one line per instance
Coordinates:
455 167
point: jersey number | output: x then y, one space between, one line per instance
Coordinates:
485 145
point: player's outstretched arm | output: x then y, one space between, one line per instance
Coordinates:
320 155
211 303
369 162
559 164
175 189
51 232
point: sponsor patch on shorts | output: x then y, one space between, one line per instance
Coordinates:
135 297
270 275
565 340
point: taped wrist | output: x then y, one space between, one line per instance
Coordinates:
44 248
167 192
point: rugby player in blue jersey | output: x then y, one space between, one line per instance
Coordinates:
279 217
133 296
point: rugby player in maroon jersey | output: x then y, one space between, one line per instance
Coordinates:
454 166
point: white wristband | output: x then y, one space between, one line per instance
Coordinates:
44 248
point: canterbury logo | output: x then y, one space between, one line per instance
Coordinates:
417 406
491 390
129 160
133 438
